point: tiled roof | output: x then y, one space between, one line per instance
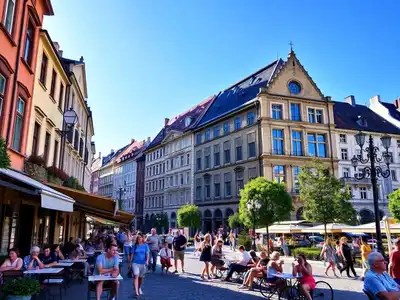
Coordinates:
177 123
112 155
131 151
346 117
239 94
392 110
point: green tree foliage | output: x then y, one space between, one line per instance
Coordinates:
325 197
234 221
394 204
4 157
160 221
189 216
276 203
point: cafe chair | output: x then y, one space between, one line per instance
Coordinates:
369 295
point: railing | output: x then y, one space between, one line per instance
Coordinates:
353 180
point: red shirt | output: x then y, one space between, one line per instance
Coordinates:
395 263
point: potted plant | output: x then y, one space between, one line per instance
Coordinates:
21 289
35 167
56 175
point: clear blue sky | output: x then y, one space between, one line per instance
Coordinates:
151 59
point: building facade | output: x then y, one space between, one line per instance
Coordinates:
94 181
140 177
46 120
19 39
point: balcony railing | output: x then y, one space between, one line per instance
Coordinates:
352 180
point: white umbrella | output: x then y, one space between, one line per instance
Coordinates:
330 228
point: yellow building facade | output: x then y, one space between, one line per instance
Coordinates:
45 124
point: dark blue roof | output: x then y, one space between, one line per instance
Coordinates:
240 93
392 110
346 117
109 157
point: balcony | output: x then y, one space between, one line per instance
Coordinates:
352 180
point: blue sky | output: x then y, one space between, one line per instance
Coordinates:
147 60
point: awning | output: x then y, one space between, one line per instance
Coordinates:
330 228
102 221
95 205
50 198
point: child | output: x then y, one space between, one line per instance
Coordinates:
165 254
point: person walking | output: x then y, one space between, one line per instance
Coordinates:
179 246
394 266
205 255
365 251
154 243
284 246
197 243
139 258
328 253
127 244
347 258
232 240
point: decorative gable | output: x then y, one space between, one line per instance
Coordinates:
293 80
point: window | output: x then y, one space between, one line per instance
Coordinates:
187 177
198 189
277 141
35 139
29 39
315 115
296 183
398 141
182 160
198 160
9 15
226 128
251 144
217 185
252 173
239 181
217 156
181 177
19 120
217 130
295 112
346 172
316 145
207 187
297 144
238 123
394 175
198 138
188 159
277 112
343 138
207 158
250 118
227 152
350 191
363 192
53 84
344 154
391 157
279 174
2 91
207 134
46 147
61 96
239 149
43 69
228 182
172 163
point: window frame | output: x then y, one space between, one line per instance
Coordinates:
250 118
238 123
35 139
22 117
44 64
281 175
46 149
9 30
53 84
296 142
28 47
280 140
276 109
344 153
292 115
3 93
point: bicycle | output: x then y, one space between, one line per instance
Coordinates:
322 291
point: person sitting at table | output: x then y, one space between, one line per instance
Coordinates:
107 264
89 247
254 258
260 270
216 257
13 263
307 282
78 242
241 265
57 252
32 261
100 244
69 246
48 258
377 280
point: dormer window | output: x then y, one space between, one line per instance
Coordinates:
188 120
362 121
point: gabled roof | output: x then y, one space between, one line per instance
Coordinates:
239 94
392 110
131 151
346 117
112 156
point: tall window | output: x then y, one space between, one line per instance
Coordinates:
198 160
239 149
61 96
9 15
226 128
19 121
29 39
217 156
228 184
250 118
277 112
35 139
315 115
239 181
217 185
394 175
207 158
295 112
198 189
43 69
198 138
344 153
252 173
297 144
238 123
316 145
46 147
343 138
227 152
53 83
207 134
296 184
182 161
346 172
251 144
279 174
277 141
217 130
2 91
363 192
207 187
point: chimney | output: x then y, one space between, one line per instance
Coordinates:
81 59
397 103
166 120
99 154
60 53
57 46
132 141
375 100
112 151
350 100
148 139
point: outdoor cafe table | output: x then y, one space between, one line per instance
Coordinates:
64 264
73 260
95 278
45 271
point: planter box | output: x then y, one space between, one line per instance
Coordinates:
35 171
19 297
55 180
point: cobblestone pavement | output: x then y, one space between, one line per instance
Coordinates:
189 285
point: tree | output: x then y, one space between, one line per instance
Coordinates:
234 221
325 197
5 161
189 216
160 221
276 203
394 204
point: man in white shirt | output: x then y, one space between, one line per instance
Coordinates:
241 265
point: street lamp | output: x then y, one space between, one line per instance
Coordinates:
121 192
254 205
373 171
70 118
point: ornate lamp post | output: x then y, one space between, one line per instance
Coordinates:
373 171
69 120
121 192
253 206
